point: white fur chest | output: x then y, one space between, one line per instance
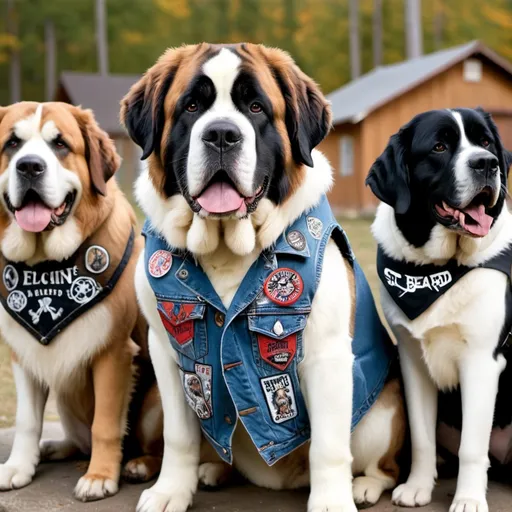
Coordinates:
226 271
67 354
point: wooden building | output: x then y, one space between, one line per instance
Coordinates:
367 111
102 94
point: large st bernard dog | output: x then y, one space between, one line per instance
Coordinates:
68 307
229 133
444 235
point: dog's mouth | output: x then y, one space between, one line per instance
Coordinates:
35 215
221 197
473 220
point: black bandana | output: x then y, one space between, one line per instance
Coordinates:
414 288
47 297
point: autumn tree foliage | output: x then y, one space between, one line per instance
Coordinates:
316 32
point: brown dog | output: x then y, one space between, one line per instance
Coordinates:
68 307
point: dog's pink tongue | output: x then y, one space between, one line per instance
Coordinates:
220 197
34 217
478 214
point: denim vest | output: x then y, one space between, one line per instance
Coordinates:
241 363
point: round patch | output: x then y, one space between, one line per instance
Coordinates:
10 277
17 301
97 259
83 290
296 239
284 286
160 263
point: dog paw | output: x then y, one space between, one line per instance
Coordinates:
52 449
153 501
409 495
95 487
14 477
469 505
213 474
366 491
334 507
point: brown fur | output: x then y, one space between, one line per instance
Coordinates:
102 400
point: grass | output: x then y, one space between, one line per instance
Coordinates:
363 244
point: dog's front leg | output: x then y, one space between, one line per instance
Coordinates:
31 399
112 382
177 483
479 376
421 397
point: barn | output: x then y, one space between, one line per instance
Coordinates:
367 111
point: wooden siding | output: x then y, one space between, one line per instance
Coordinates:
343 196
447 90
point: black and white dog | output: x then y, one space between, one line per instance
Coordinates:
444 235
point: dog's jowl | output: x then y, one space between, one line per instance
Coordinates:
68 252
444 238
263 330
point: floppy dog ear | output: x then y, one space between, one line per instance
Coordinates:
308 114
142 109
100 151
389 176
504 156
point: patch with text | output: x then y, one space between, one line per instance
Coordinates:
280 396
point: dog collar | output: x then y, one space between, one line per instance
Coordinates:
45 298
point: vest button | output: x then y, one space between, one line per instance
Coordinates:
278 328
224 451
228 420
183 274
219 319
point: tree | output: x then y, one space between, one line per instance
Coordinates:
413 28
355 49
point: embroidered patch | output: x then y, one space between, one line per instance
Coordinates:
296 240
83 289
175 318
280 397
315 227
278 353
409 284
10 277
160 263
97 259
45 306
17 301
198 390
284 286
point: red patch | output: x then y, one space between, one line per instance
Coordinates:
278 353
160 263
284 286
175 320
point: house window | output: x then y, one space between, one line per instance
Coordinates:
346 155
472 70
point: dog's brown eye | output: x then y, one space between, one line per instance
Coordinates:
485 143
12 143
256 107
191 107
59 143
439 148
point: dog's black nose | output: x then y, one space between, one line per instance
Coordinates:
487 164
31 166
222 135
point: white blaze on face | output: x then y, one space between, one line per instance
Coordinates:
53 185
223 70
464 175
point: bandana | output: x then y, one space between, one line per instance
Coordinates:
45 298
414 288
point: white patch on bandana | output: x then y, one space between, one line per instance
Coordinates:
280 397
83 290
17 301
315 227
97 259
45 306
10 277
